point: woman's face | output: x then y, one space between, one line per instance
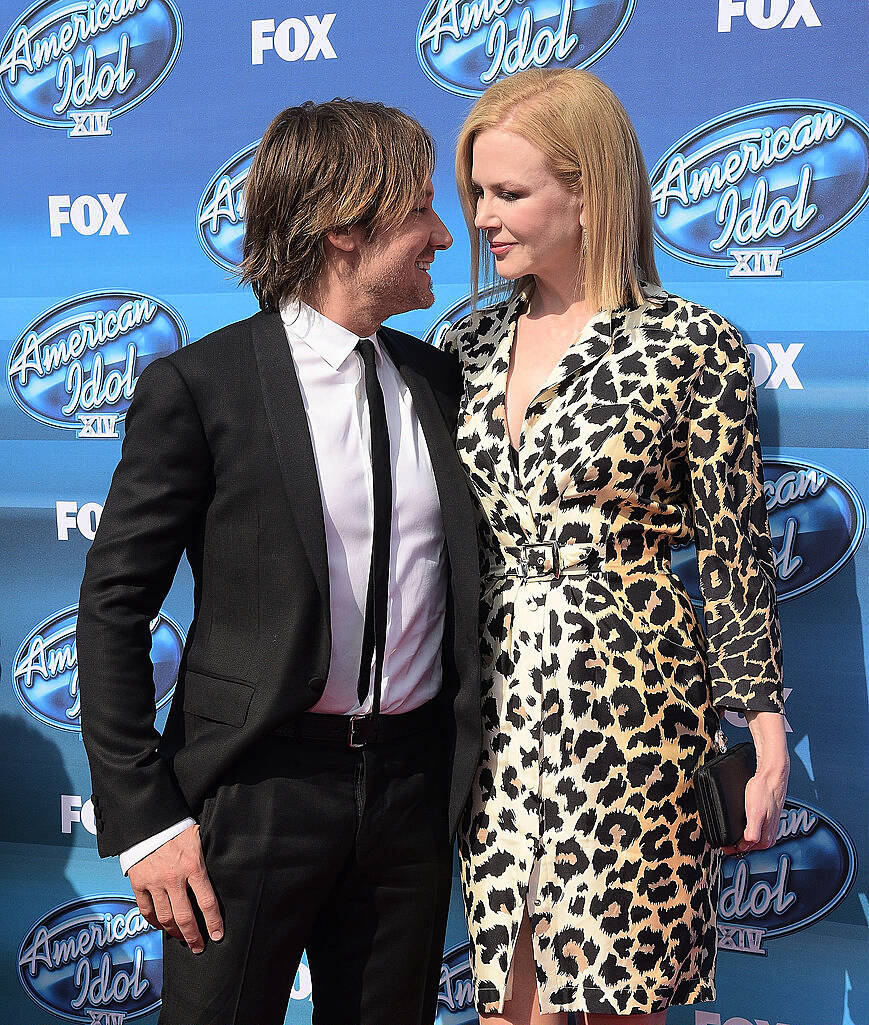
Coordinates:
531 222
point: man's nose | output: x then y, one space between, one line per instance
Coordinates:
440 236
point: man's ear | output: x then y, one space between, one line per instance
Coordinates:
346 240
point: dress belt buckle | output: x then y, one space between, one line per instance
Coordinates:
527 568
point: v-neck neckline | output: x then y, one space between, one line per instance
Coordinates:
555 374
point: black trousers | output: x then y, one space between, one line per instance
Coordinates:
342 852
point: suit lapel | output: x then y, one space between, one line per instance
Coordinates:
417 383
437 414
289 426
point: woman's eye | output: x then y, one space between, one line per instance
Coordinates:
508 197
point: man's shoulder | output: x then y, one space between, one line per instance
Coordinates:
228 343
426 358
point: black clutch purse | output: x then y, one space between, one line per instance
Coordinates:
720 788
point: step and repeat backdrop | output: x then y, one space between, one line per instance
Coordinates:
128 128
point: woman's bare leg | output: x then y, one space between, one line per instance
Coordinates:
523 1007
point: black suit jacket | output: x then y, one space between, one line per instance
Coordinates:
217 461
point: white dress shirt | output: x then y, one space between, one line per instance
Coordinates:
333 391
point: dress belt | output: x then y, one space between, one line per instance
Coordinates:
360 730
547 560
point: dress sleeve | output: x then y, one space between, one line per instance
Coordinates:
731 532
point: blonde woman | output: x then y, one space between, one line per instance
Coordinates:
603 421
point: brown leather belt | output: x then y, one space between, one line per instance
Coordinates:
360 730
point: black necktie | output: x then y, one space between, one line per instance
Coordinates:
374 633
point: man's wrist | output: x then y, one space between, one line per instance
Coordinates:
141 850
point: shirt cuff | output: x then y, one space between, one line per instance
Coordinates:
141 850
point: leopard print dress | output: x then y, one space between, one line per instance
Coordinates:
600 688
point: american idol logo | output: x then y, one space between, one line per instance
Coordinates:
465 45
760 184
435 334
45 670
94 960
76 64
800 879
76 365
456 993
221 210
816 524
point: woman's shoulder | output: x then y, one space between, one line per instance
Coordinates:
669 315
474 336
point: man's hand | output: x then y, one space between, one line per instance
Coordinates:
162 883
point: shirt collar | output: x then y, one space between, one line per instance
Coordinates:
329 340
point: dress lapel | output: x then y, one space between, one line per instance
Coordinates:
575 369
486 417
289 426
592 344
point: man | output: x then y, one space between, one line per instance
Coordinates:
325 725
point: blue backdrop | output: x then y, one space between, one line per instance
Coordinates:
128 129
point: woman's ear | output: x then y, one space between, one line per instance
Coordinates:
580 198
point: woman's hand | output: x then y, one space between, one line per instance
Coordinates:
766 790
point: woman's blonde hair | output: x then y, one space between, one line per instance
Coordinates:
588 140
322 167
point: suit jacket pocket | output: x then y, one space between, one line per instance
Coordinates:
216 698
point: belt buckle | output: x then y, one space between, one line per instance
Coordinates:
553 553
351 740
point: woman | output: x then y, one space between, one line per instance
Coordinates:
603 421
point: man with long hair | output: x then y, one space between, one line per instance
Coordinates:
325 725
